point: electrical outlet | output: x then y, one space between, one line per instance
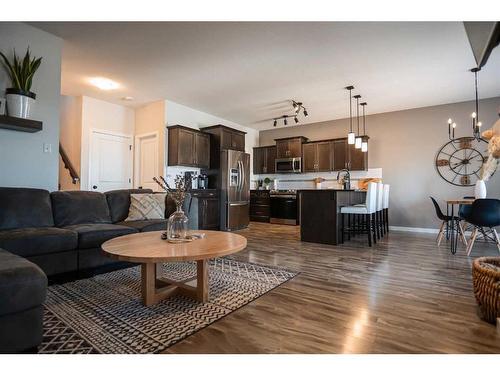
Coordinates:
47 147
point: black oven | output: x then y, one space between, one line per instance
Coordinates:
284 208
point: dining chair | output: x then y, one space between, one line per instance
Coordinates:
380 207
444 220
485 213
366 212
385 206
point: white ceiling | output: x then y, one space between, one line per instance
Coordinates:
246 72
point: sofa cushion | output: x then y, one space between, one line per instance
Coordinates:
93 235
119 202
28 242
146 225
23 285
23 208
79 207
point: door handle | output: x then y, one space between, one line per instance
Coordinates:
94 187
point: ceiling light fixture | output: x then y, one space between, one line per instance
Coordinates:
297 107
350 136
104 83
364 144
127 98
358 140
476 124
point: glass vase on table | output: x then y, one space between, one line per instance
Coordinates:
177 225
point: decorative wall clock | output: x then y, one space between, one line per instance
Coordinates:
459 161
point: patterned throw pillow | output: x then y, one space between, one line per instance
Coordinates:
146 207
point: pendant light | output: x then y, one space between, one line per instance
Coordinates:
350 136
476 124
364 144
358 140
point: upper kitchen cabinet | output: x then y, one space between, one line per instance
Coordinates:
188 147
358 160
348 156
317 156
289 147
226 138
264 159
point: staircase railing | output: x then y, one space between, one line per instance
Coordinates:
68 165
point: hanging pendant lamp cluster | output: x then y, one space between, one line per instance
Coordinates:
476 124
360 141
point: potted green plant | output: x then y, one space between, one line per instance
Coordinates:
267 182
21 72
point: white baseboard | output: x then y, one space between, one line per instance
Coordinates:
414 229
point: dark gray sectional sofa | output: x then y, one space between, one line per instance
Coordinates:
59 233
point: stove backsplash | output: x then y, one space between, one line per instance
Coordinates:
306 180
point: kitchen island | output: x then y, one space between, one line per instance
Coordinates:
319 211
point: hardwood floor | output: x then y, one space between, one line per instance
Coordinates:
404 295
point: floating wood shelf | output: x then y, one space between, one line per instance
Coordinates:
20 124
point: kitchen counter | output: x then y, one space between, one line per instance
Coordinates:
319 211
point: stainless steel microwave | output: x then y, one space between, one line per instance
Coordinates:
288 165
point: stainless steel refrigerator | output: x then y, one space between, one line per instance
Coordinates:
235 189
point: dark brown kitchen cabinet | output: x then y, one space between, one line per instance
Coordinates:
289 147
260 205
264 159
340 154
227 138
203 210
348 156
188 147
317 157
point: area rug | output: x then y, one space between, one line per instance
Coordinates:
104 314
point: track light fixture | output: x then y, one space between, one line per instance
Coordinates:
297 107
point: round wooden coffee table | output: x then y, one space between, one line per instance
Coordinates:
149 249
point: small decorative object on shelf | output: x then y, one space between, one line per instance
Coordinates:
177 223
267 182
21 72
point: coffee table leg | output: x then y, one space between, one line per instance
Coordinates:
148 276
202 290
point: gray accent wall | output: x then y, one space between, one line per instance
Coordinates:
22 160
404 144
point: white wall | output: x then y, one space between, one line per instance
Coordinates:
177 114
22 160
108 117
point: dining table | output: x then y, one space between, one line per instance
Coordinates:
452 231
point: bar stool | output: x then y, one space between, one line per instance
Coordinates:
385 206
380 208
366 212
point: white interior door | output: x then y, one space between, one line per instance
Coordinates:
110 162
146 160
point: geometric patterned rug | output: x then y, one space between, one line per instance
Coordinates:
104 313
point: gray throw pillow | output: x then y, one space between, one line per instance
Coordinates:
146 207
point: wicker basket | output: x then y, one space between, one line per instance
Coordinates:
486 278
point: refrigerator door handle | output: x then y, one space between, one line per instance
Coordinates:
242 173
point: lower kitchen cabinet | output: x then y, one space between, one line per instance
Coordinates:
202 209
260 206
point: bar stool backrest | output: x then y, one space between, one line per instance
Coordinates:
386 196
380 196
371 198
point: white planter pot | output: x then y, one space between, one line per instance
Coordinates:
19 105
480 190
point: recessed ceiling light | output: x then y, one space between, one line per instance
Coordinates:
128 98
104 83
